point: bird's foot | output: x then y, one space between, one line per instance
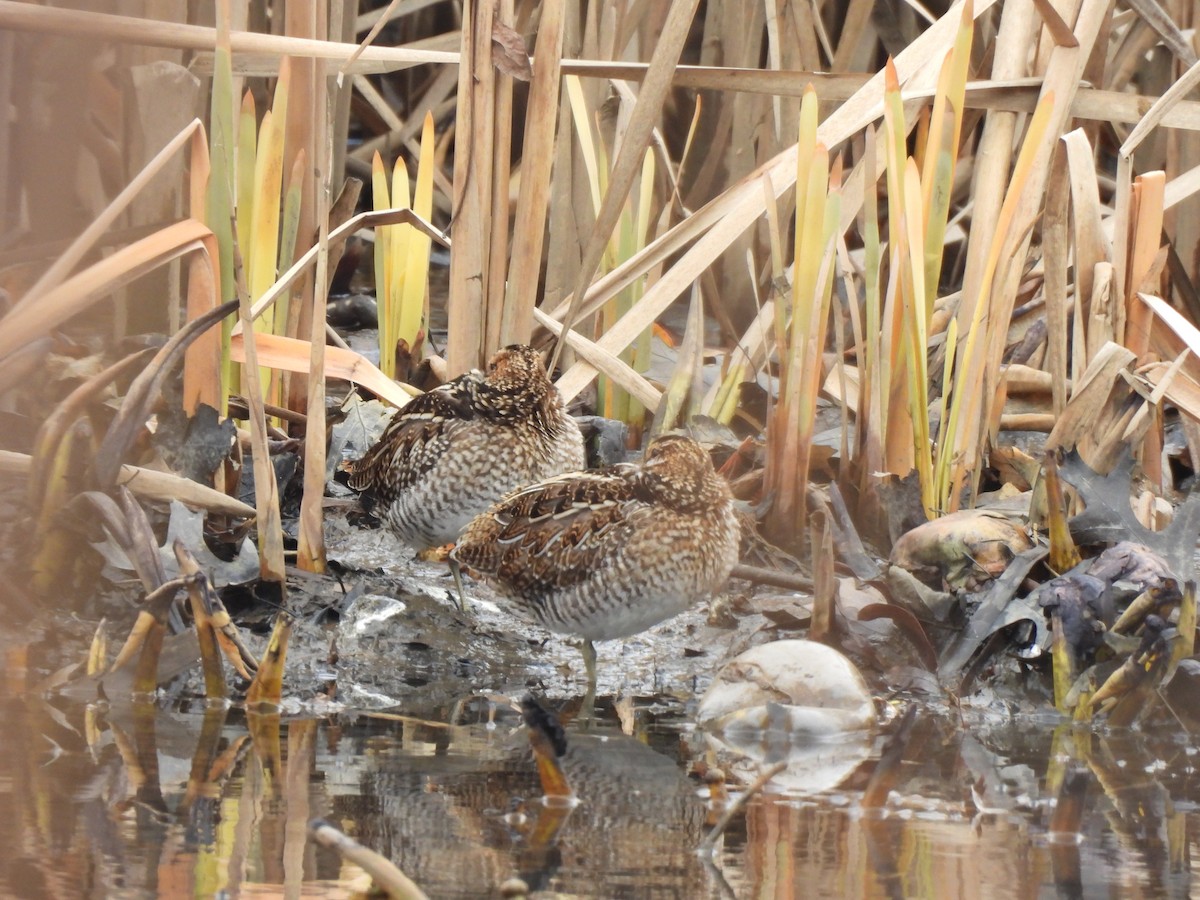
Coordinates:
435 554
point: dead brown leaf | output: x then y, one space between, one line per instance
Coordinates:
509 53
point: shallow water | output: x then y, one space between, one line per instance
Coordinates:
154 802
172 800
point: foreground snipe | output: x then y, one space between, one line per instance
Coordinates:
607 554
453 451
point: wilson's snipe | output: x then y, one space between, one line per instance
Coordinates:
607 554
453 451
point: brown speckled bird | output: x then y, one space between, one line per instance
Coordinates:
607 554
454 450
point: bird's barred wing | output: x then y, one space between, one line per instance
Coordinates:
555 533
415 438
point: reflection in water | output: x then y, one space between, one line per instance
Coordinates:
447 820
146 802
932 842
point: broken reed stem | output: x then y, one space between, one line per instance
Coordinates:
145 619
824 580
210 654
94 26
230 640
145 676
267 688
1064 555
98 651
555 787
473 172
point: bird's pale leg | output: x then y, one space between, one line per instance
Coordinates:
456 571
589 663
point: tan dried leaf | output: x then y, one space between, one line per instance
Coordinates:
509 53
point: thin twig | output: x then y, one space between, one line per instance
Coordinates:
366 42
773 577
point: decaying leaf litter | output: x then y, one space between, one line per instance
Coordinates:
979 322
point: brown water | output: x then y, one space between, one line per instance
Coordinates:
173 800
173 803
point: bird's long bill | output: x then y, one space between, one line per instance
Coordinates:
554 781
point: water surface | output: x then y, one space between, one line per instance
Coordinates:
178 802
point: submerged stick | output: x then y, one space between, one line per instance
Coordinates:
383 872
710 842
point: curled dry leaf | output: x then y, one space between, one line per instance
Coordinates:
1109 518
962 549
509 53
194 446
909 625
144 392
999 607
187 526
1074 599
1099 604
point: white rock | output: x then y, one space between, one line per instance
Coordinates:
798 701
824 689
